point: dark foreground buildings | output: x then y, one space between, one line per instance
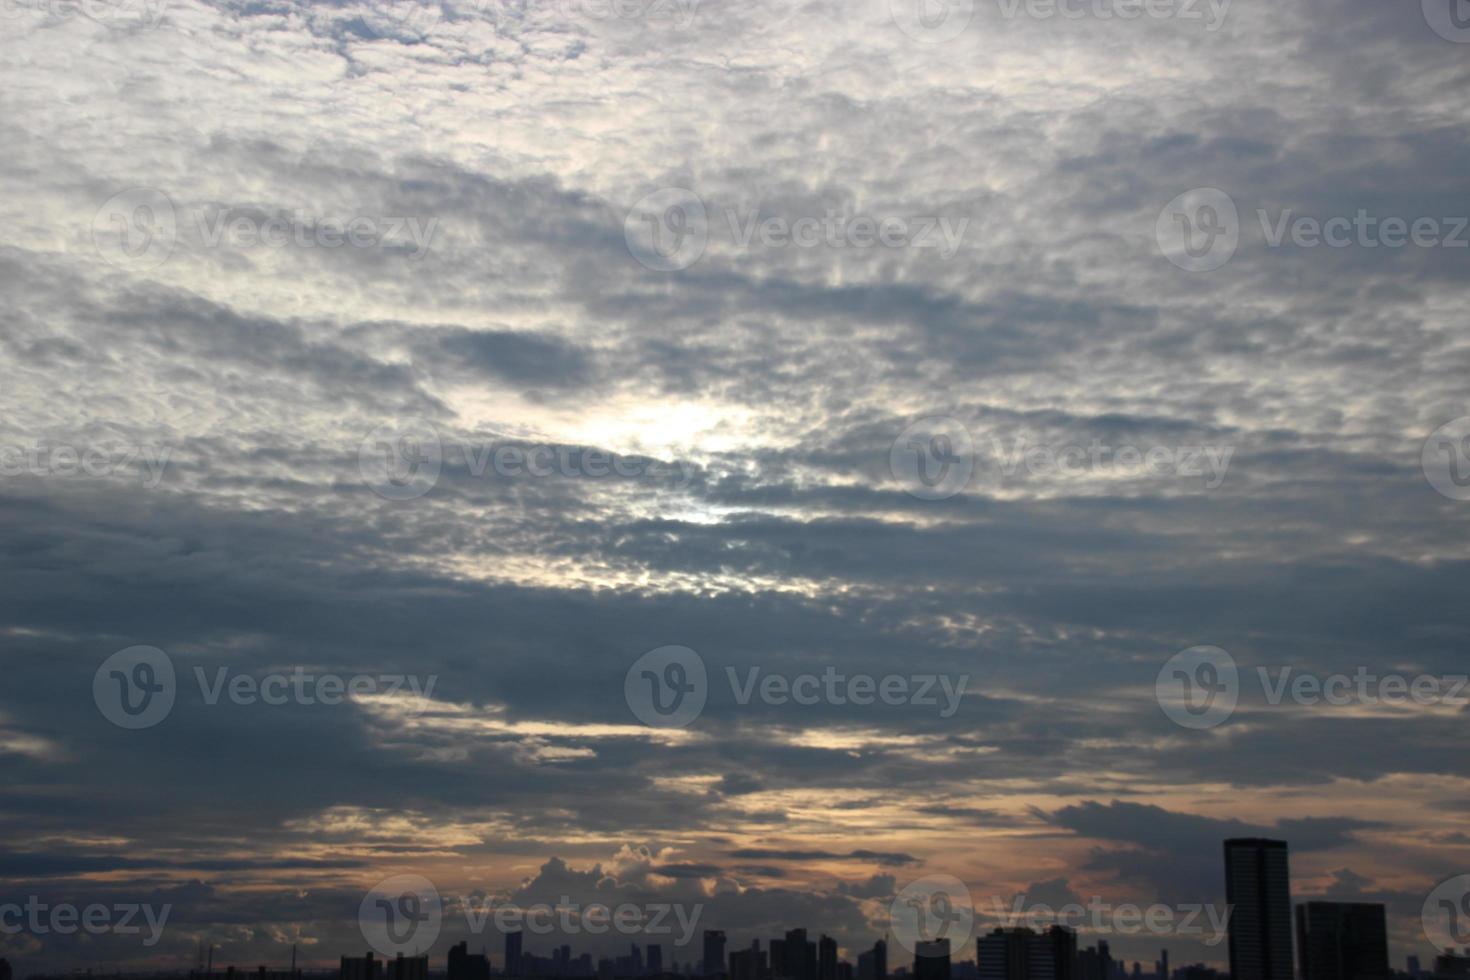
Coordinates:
1258 890
1342 941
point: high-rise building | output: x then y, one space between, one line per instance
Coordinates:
798 956
743 965
513 965
361 968
931 960
1023 954
464 965
655 958
1415 970
826 958
408 968
1258 892
1342 941
4 969
714 952
873 965
1095 963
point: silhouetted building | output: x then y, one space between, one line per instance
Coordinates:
714 952
931 960
826 958
1024 954
1342 941
1095 963
513 966
873 965
361 968
4 969
464 965
408 968
1198 971
655 959
797 958
1451 966
1258 891
744 964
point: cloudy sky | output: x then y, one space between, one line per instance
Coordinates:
493 345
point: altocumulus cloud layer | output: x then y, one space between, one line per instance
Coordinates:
486 157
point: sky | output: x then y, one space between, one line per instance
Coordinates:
462 356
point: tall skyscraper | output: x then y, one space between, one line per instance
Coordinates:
513 953
714 952
778 959
1258 891
1342 941
827 958
655 958
873 965
1023 954
799 956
